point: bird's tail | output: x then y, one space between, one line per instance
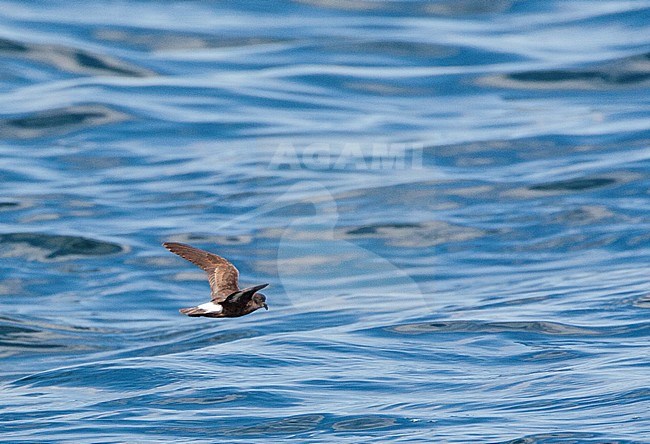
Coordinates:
193 311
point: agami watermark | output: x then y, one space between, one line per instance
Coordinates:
348 156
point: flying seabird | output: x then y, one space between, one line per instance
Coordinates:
228 301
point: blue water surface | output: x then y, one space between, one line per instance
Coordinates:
449 200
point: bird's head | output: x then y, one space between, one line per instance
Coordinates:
260 301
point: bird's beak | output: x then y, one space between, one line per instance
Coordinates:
266 307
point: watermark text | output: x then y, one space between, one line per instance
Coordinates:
348 156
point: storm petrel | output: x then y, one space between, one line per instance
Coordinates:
228 301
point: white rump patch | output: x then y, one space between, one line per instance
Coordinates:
211 307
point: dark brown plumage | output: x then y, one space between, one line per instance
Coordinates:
227 301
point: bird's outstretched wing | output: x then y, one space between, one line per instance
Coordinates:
223 275
244 296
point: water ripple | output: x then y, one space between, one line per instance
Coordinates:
70 59
42 246
448 199
59 121
534 327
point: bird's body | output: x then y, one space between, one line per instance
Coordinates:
228 301
209 309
